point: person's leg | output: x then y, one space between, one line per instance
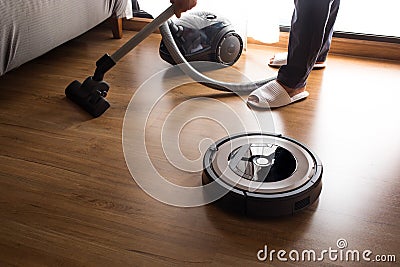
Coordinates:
323 53
309 40
306 38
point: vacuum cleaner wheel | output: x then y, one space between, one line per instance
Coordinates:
263 174
229 49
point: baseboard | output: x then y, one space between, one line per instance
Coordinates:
343 46
351 47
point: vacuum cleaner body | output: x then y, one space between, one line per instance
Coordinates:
204 36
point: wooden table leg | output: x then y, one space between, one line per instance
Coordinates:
116 27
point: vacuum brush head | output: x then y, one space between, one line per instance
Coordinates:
89 95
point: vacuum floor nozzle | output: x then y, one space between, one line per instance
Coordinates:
89 95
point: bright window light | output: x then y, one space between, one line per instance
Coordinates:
359 16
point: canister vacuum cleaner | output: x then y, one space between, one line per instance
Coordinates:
201 36
263 174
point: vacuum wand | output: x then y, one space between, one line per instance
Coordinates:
143 34
90 95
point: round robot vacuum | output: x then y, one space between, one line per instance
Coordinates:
263 174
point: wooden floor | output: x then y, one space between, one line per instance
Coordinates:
67 197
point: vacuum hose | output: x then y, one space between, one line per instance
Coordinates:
185 66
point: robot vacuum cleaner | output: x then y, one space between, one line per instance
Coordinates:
263 174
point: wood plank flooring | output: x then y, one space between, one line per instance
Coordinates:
67 197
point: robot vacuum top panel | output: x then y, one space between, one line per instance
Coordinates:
263 163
